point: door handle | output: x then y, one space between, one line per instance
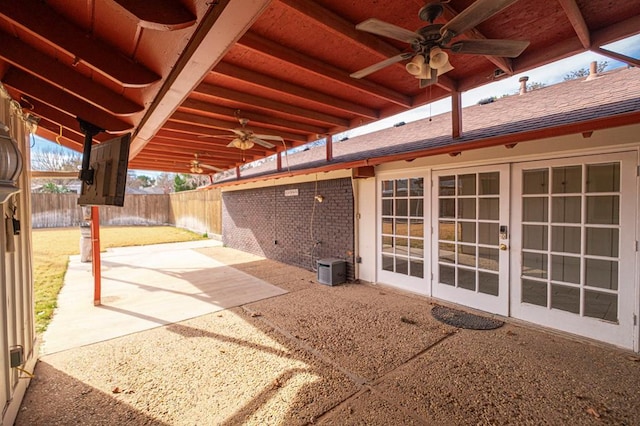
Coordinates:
503 247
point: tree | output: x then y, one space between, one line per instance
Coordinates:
146 181
53 188
165 182
187 182
584 72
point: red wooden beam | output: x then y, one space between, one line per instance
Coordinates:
159 15
45 23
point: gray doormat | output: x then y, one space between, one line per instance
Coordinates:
463 319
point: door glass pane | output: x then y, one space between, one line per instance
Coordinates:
402 266
416 248
447 253
603 209
603 177
488 258
565 298
565 268
401 227
467 279
466 255
447 208
466 208
401 187
488 283
488 233
387 207
534 265
565 239
535 181
535 209
467 184
416 228
415 207
387 188
416 187
387 263
534 237
601 305
416 268
567 180
489 208
467 232
489 183
387 244
401 207
447 275
534 292
447 230
402 246
447 185
387 225
601 273
602 242
566 209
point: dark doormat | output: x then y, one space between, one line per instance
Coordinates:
463 319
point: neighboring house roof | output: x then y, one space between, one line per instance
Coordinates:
570 107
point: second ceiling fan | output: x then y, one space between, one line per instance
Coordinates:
428 44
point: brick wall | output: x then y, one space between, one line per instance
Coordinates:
284 228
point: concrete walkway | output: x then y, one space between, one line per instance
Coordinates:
290 351
146 287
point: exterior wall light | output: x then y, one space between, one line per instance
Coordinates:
10 164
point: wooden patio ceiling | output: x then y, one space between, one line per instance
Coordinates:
179 73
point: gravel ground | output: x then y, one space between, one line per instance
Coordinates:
348 355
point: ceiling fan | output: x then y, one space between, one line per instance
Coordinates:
428 44
244 138
197 167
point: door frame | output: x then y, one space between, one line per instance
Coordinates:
625 333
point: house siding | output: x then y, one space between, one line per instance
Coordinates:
16 279
274 223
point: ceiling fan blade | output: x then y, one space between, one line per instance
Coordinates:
378 66
376 26
478 12
233 143
269 137
239 132
262 142
506 48
206 166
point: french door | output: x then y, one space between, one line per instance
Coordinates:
401 233
470 244
573 257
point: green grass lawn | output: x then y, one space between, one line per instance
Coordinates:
52 248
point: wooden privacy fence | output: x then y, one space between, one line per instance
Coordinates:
199 211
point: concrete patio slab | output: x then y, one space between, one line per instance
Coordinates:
146 287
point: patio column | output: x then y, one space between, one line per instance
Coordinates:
95 266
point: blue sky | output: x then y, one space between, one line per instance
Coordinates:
548 74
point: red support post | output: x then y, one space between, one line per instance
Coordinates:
95 249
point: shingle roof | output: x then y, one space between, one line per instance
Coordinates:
576 101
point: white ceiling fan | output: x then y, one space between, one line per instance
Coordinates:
197 167
428 44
